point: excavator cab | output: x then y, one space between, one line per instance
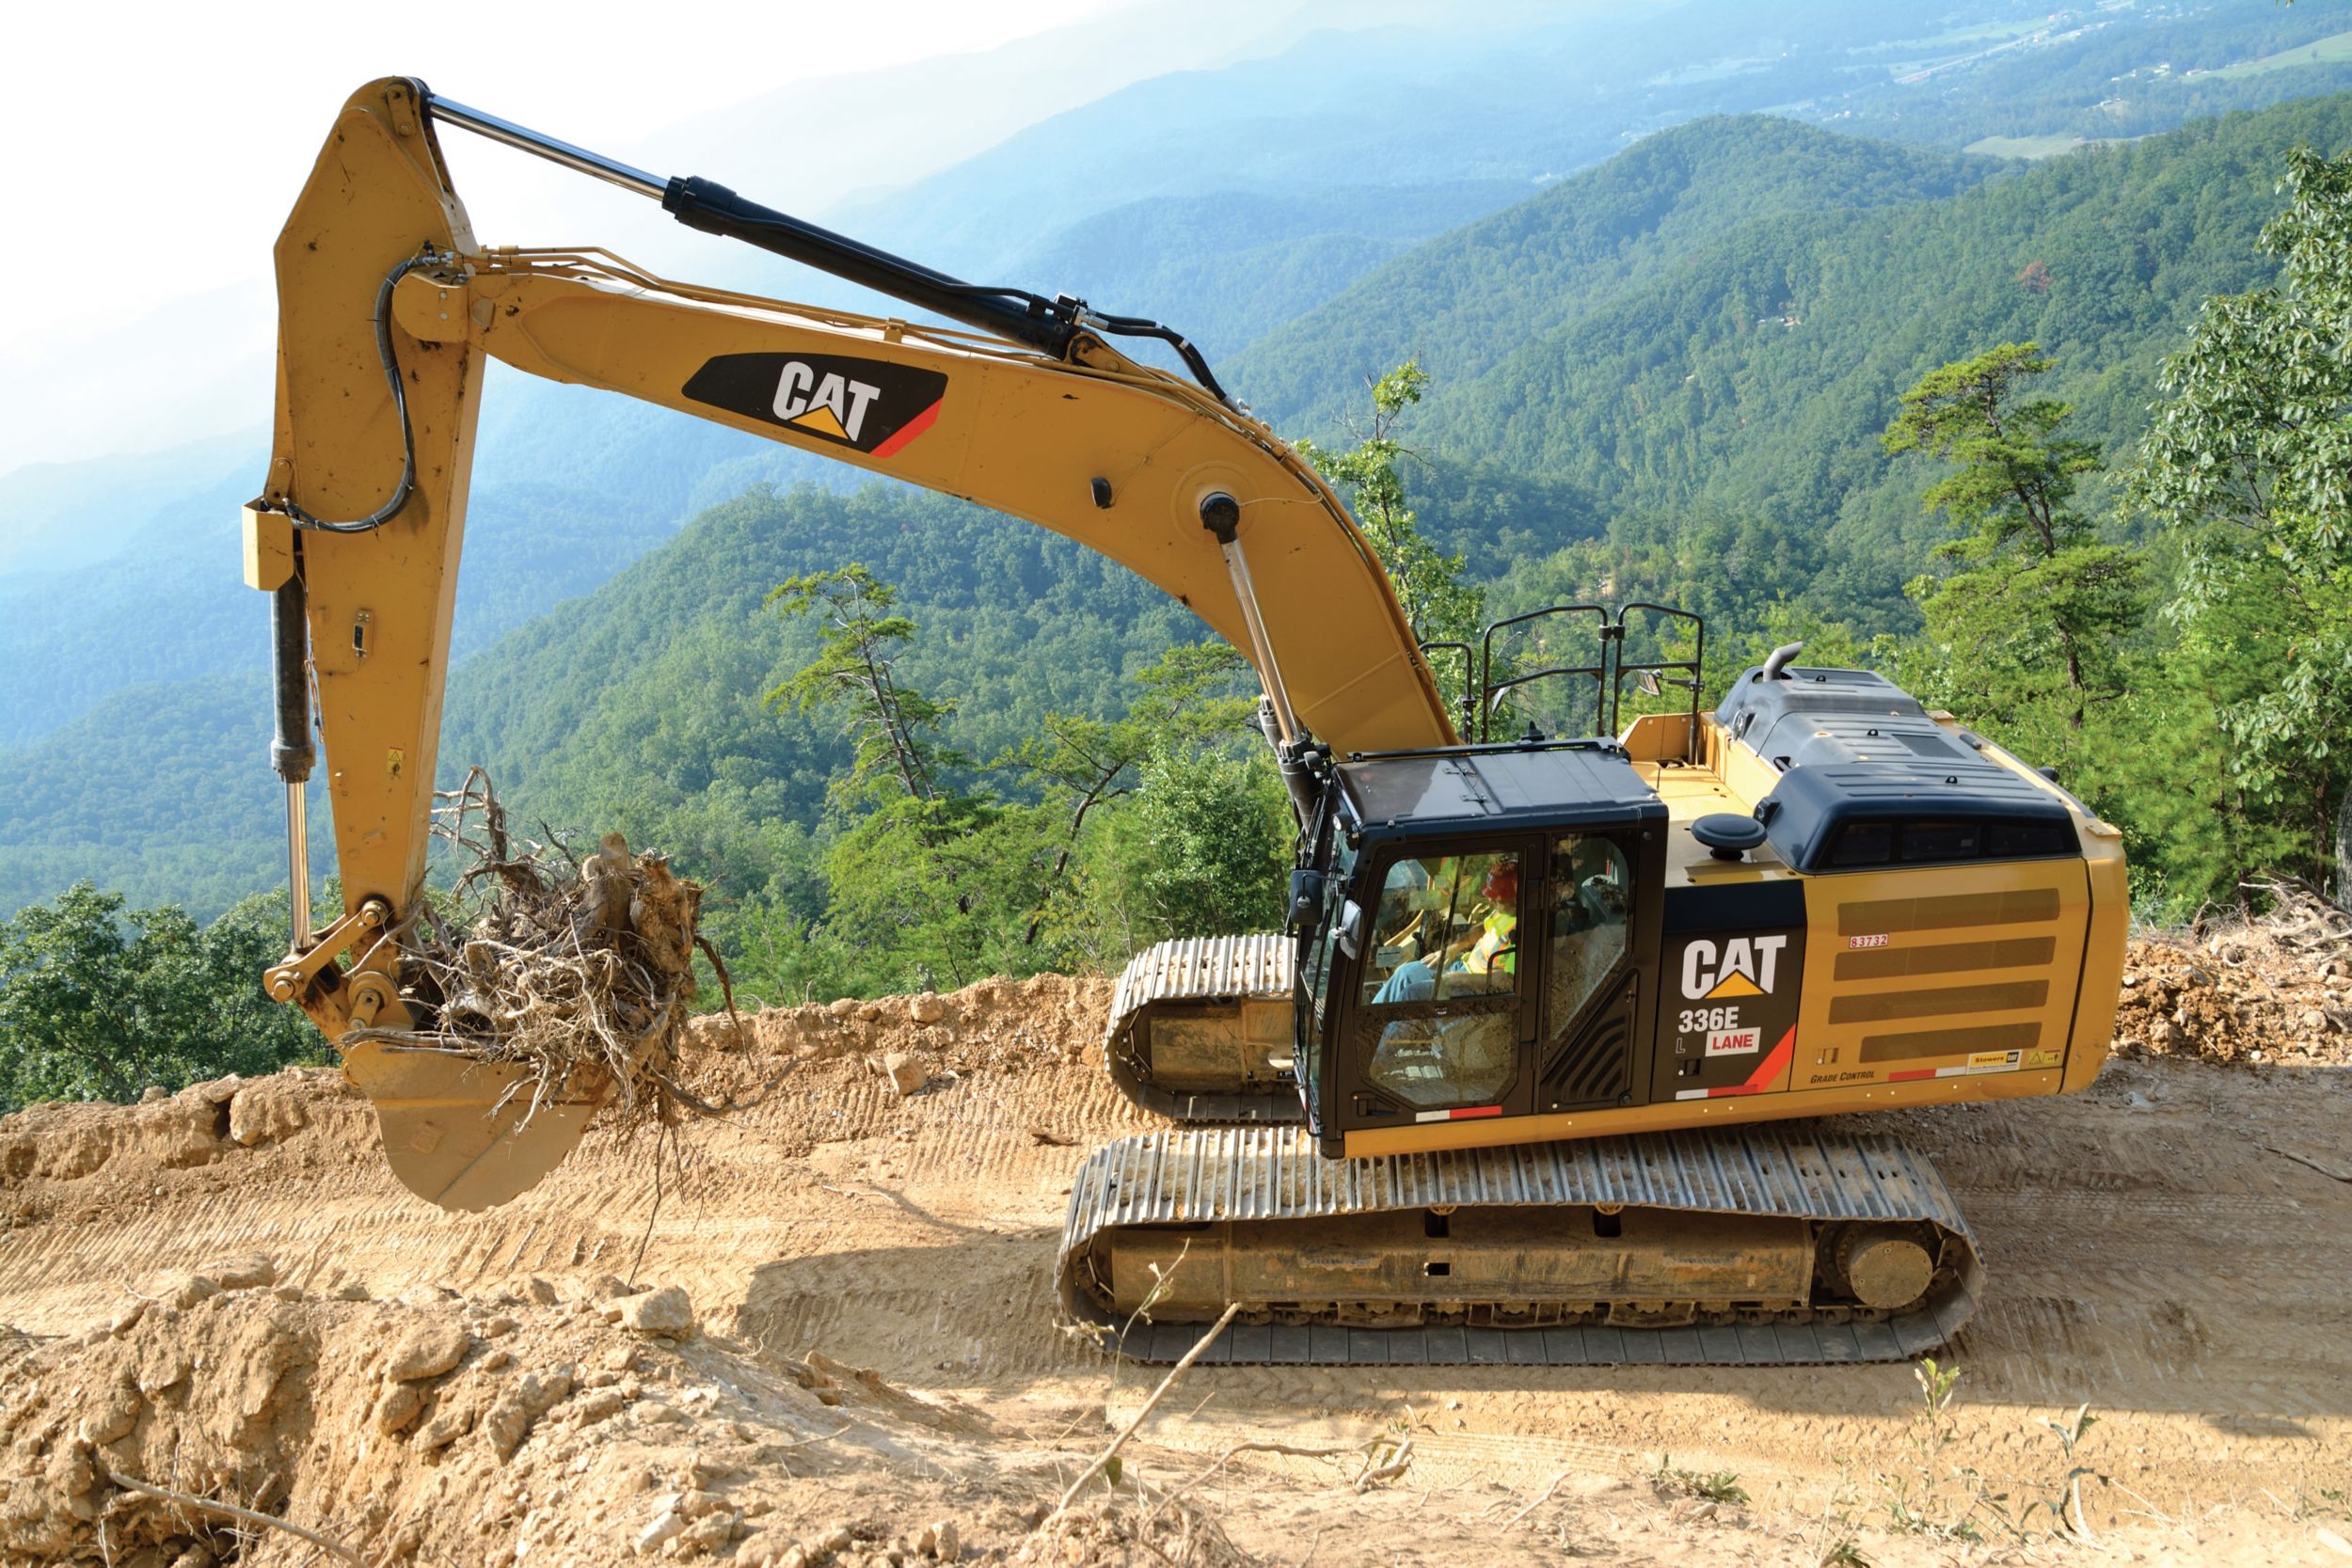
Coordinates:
1484 932
1486 940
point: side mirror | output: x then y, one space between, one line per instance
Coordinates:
1307 892
1646 682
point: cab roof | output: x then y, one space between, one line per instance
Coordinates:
1497 788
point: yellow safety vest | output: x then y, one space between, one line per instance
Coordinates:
1495 950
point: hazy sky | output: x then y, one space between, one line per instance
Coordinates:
158 147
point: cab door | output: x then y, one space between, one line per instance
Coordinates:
1443 1012
1591 996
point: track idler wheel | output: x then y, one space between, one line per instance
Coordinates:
1885 1266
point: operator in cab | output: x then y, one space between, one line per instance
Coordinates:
1488 946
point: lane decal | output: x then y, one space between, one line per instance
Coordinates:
1767 1070
1734 1042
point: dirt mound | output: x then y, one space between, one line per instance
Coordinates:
429 1387
2276 988
443 1429
1127 1531
68 1162
996 1026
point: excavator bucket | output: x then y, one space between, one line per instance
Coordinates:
462 1134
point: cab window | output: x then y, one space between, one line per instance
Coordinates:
1445 927
1440 1002
1592 896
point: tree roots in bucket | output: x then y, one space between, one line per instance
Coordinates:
579 972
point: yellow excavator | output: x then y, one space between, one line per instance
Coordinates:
1521 1080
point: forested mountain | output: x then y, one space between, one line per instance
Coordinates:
1754 377
163 789
55 516
641 708
1666 372
174 607
1224 201
1466 301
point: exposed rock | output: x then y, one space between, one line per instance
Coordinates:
905 1072
113 1413
668 1310
267 1111
927 1007
246 1272
179 1132
398 1410
509 1418
183 1288
445 1428
427 1349
599 1405
666 1523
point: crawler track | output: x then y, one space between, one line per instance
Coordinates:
1195 1029
1764 1204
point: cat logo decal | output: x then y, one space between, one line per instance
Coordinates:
872 406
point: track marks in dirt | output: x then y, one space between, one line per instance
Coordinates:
2147 1253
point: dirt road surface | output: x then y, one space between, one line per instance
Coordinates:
2173 1248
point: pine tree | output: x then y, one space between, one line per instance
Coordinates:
2029 621
1438 604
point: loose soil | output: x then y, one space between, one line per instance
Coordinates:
840 1339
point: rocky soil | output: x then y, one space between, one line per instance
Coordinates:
819 1331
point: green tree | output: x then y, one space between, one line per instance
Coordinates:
98 1004
1188 702
2250 463
926 878
1200 850
890 725
1438 604
2031 618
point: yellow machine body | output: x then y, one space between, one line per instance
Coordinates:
1156 472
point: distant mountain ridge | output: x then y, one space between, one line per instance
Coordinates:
1610 349
1758 372
1469 299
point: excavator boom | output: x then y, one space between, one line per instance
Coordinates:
1539 998
387 309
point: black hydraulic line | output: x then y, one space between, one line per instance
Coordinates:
1024 317
1140 326
405 484
1043 324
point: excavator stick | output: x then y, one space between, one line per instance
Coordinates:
357 535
